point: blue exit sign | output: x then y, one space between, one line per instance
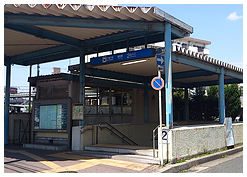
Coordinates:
123 57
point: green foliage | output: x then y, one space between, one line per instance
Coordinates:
205 107
232 100
212 102
178 103
197 104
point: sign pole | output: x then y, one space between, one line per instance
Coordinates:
160 118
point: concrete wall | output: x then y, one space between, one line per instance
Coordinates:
139 133
194 140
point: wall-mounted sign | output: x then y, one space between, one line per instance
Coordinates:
229 132
51 117
77 111
123 57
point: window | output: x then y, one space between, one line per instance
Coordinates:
116 95
100 100
91 99
127 101
103 101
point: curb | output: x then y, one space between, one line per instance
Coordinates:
196 161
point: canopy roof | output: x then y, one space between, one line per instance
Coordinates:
38 33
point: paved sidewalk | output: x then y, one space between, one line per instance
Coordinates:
178 167
22 160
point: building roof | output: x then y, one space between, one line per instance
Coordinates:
97 12
194 40
38 33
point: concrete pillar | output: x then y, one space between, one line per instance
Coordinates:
82 81
168 77
186 104
221 96
6 110
146 101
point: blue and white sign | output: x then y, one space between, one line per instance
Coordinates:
123 57
160 60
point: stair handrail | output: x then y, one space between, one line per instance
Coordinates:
154 135
84 130
123 137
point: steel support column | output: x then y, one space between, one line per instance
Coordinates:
221 96
186 104
6 111
168 77
146 100
82 81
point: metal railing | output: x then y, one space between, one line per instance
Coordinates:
86 129
117 133
154 135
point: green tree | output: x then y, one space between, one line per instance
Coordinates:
232 100
178 103
212 109
197 104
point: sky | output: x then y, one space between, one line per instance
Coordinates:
222 24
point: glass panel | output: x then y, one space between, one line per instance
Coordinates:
127 101
90 100
103 101
116 101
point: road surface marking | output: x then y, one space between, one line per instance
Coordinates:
65 155
35 157
75 167
87 162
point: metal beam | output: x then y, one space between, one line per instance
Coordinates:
146 100
200 64
40 53
108 74
82 22
82 82
98 81
123 36
44 34
168 77
194 73
56 57
204 65
6 111
221 97
210 83
233 74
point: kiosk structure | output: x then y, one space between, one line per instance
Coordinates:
114 89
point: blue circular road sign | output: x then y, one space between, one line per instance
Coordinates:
157 83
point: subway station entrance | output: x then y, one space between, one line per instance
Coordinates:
107 98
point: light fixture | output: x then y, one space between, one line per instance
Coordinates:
133 62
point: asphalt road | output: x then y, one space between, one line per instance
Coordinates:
229 164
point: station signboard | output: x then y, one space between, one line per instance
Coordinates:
123 57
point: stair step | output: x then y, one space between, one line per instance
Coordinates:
134 150
53 147
116 156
